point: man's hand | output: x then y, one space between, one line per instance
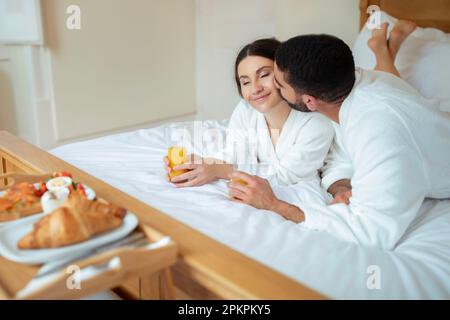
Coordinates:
256 192
342 197
253 190
341 191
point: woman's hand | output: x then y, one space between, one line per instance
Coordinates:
201 171
193 158
198 174
254 191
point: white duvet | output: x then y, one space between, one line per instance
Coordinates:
418 268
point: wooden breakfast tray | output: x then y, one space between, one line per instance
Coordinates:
11 178
133 263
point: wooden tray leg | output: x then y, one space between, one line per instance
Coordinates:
157 286
149 287
167 284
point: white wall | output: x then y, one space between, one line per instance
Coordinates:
131 63
129 67
223 27
7 103
339 18
16 90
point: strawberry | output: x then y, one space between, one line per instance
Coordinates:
42 189
81 190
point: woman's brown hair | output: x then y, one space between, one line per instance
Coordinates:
265 48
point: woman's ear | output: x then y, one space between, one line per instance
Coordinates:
310 102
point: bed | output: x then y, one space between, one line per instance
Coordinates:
418 268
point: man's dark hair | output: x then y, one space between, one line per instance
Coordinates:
265 48
319 65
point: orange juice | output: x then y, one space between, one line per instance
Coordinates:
177 156
240 181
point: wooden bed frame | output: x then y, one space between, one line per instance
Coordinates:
205 268
425 13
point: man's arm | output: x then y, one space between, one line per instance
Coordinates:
257 192
337 167
388 186
289 211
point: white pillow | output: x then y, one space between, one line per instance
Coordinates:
423 60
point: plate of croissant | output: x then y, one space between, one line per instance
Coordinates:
77 226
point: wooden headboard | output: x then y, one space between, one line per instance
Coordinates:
426 13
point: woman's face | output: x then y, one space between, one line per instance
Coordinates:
257 86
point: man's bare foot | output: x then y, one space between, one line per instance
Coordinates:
378 42
401 30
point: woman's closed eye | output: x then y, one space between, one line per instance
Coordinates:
262 75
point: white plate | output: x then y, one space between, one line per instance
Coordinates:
11 234
90 194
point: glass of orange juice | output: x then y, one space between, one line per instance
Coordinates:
245 168
177 156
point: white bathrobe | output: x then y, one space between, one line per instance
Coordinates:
300 151
395 148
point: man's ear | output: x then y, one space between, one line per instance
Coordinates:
310 101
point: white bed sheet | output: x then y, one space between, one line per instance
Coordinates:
418 268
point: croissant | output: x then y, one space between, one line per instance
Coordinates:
77 220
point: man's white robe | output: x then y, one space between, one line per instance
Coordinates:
395 148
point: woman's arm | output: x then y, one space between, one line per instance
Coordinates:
216 166
222 170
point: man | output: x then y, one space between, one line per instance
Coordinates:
391 150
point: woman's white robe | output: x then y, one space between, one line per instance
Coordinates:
300 151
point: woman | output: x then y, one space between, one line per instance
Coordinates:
283 145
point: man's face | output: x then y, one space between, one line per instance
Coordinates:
287 92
